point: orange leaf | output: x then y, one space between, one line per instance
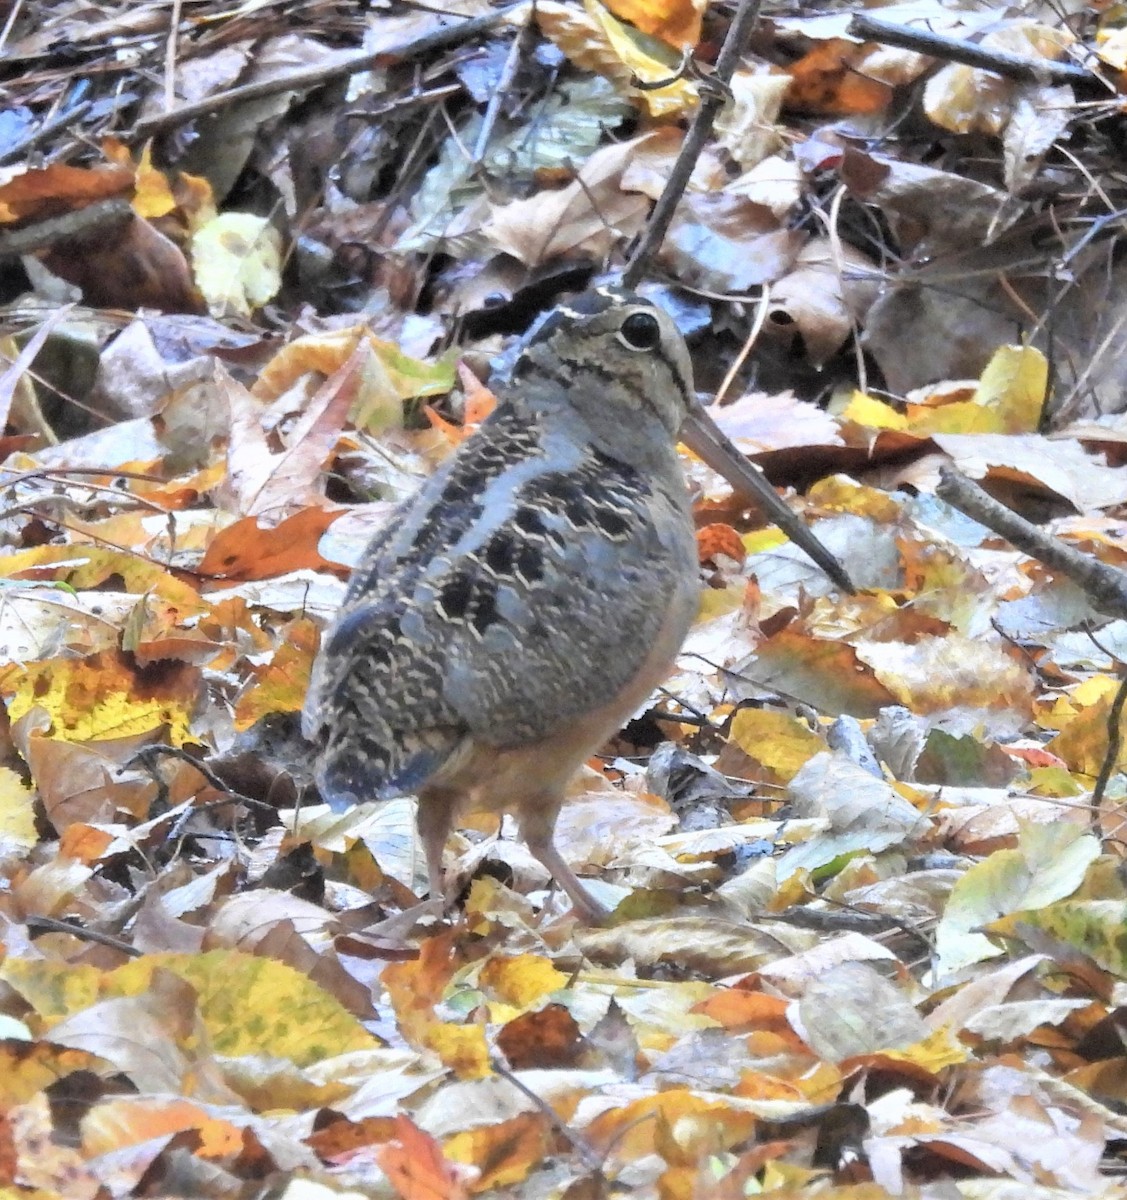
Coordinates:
416 1167
504 1153
676 22
245 550
825 81
480 401
84 843
415 987
59 188
737 1009
719 539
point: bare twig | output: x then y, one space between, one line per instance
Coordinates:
55 925
761 310
517 51
586 1152
170 57
1019 67
1114 744
147 756
102 220
1105 586
19 150
712 100
310 77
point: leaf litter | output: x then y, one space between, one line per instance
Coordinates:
865 853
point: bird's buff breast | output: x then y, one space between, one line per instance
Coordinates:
496 777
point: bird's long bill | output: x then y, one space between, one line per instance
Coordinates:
706 440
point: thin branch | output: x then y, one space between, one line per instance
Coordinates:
64 120
712 100
1114 744
1021 68
517 52
56 925
1105 586
315 76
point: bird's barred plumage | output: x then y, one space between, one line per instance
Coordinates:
513 613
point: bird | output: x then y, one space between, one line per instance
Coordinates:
521 606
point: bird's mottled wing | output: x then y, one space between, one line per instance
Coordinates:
481 612
550 612
376 701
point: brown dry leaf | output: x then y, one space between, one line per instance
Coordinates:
824 298
707 946
966 99
44 1168
261 481
1040 116
130 264
590 215
829 79
547 1038
746 126
758 421
829 675
929 207
727 243
1061 466
862 811
852 1010
79 783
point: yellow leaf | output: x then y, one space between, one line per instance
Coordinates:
504 1152
649 60
1092 926
153 196
1014 386
936 1051
594 40
1047 865
17 811
874 414
462 1048
237 263
521 979
101 696
839 493
27 1068
776 740
249 1005
281 684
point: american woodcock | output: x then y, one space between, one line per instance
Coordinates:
519 608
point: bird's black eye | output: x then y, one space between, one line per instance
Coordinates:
640 331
